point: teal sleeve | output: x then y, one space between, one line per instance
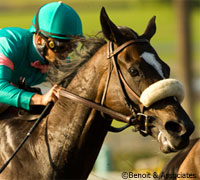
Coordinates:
10 94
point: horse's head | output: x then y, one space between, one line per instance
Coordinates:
148 76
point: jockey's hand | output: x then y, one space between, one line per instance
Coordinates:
51 95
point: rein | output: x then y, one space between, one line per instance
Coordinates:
138 120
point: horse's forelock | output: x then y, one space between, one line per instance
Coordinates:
128 32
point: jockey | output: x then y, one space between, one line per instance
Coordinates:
54 33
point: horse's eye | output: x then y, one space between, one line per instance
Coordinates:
133 71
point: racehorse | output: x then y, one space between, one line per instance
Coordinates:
185 164
124 75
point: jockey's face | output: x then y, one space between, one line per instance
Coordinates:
51 56
56 49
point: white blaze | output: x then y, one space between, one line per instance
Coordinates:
151 60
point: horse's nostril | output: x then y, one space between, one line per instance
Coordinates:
173 127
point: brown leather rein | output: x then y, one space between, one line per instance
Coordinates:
138 120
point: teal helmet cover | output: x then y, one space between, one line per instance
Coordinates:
57 20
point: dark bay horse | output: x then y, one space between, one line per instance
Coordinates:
66 143
185 164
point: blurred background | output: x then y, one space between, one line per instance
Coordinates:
177 42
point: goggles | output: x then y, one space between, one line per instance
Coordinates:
60 46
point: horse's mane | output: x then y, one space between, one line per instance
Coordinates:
63 72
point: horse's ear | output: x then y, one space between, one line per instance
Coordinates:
151 28
110 30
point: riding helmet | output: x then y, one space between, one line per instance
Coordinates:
57 20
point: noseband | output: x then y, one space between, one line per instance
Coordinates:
138 119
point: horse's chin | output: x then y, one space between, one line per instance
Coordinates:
167 149
171 143
165 144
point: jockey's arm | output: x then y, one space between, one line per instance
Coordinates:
11 95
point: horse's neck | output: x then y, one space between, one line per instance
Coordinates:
68 118
95 130
89 145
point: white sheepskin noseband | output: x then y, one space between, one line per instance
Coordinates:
162 89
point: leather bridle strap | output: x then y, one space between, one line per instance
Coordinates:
112 54
113 58
123 46
114 114
128 87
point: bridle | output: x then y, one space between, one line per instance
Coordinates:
139 120
112 57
